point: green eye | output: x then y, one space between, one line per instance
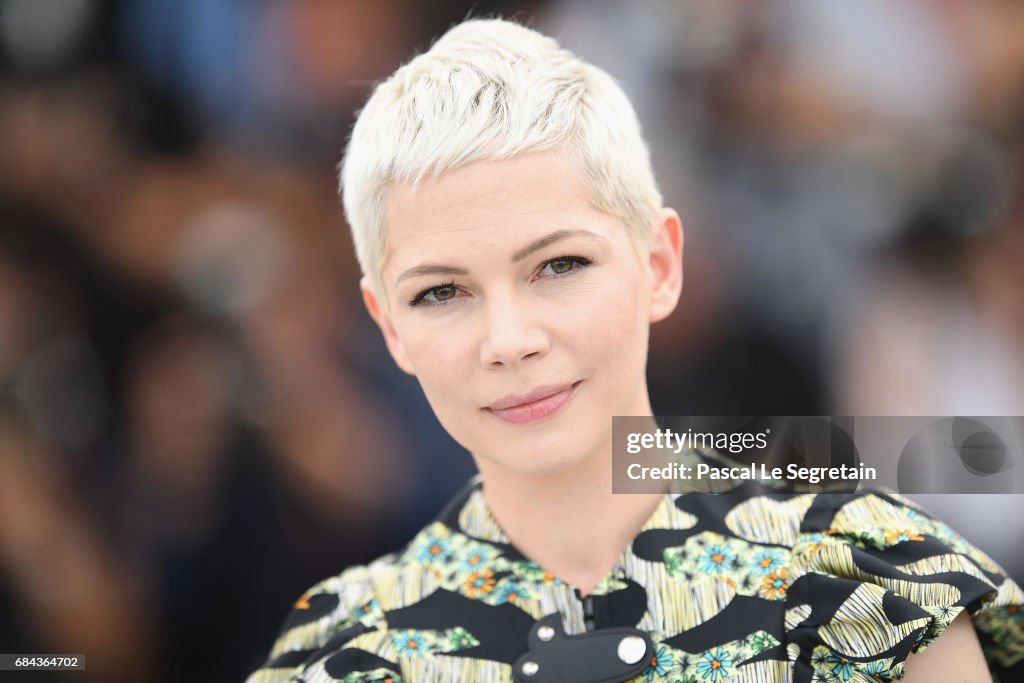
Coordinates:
564 265
561 265
443 293
433 296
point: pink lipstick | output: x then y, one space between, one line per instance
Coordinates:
534 405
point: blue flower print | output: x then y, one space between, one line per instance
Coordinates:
434 549
408 643
659 664
767 561
842 669
511 591
476 557
714 665
717 558
876 668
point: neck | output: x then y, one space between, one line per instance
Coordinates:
569 522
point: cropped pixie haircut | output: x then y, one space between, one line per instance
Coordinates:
491 89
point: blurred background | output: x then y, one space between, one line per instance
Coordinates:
197 418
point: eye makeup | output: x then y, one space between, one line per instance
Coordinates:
441 294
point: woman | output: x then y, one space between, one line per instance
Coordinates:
515 252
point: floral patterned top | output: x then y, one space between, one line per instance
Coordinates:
744 586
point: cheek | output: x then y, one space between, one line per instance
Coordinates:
444 363
440 355
607 322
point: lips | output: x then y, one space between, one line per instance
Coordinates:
534 405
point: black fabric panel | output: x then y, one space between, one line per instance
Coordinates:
819 516
338 641
823 593
741 617
650 545
910 551
320 605
899 610
501 629
710 509
623 608
353 660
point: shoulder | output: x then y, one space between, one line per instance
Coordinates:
361 625
327 616
874 577
339 628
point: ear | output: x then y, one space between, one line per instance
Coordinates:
666 264
381 316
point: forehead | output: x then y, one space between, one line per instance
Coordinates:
513 198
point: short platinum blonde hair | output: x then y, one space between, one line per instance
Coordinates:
490 89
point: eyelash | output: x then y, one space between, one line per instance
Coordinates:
418 300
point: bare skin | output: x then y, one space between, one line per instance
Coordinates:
956 657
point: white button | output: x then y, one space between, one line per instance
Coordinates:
545 633
632 649
531 668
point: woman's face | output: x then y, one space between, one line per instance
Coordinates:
523 311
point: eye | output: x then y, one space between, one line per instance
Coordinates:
435 295
563 265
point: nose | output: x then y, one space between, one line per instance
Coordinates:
512 333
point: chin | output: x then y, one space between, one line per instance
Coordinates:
548 454
537 464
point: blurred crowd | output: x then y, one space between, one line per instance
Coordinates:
198 420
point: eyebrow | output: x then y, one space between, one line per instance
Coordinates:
556 236
519 255
430 269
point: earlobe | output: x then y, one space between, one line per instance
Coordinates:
666 263
382 317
